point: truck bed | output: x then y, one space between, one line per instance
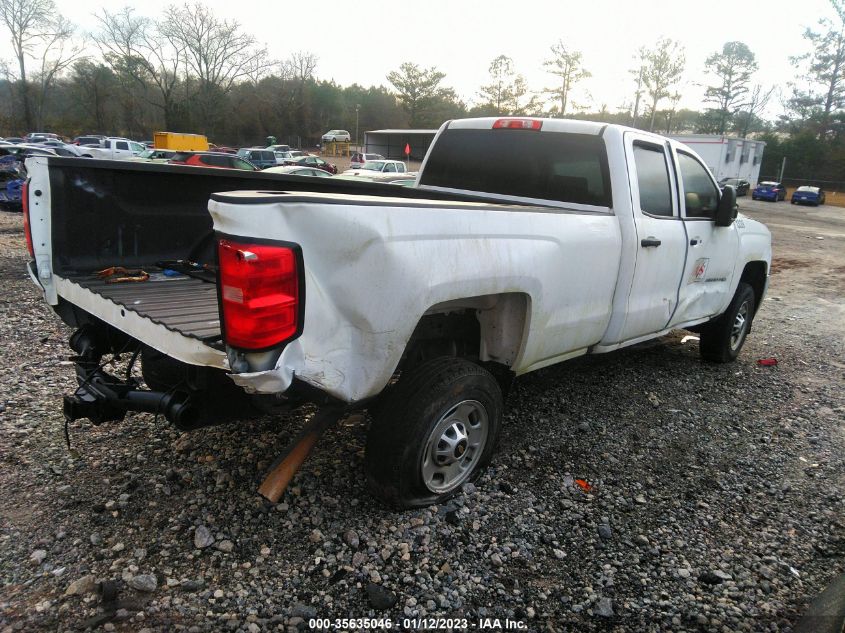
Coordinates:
181 304
177 315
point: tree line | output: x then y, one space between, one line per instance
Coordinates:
189 70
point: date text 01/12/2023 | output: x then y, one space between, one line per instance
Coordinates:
416 624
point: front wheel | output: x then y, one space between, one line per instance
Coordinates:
722 339
435 431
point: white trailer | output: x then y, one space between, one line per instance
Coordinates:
726 156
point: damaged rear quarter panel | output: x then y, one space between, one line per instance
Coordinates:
374 266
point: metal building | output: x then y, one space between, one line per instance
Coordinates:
391 143
726 156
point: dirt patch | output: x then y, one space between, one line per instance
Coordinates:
779 264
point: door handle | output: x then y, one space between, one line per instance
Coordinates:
650 242
695 241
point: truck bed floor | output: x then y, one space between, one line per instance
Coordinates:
184 305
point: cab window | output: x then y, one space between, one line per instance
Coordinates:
701 196
653 180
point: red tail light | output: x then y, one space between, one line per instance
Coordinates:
259 294
27 231
517 124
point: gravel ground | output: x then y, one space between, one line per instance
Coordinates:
712 496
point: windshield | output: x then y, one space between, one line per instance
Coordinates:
373 165
148 153
808 189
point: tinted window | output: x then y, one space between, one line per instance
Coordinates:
653 180
121 145
700 194
214 160
237 163
543 165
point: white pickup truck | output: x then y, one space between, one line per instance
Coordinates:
114 149
420 304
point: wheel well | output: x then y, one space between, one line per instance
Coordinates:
488 330
754 274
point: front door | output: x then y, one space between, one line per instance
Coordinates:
712 250
660 238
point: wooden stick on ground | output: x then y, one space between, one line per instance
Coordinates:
290 461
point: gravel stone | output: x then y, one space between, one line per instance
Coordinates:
380 598
81 586
203 537
604 608
144 582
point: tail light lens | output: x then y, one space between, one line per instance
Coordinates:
259 294
27 231
517 124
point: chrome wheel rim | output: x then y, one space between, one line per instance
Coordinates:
740 326
455 446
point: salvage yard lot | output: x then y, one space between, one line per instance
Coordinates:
714 495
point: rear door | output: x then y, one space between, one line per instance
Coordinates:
712 250
660 237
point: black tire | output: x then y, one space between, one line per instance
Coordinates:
719 342
405 424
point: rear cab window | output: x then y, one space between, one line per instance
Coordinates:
554 166
653 179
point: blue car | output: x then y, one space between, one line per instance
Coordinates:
767 190
808 195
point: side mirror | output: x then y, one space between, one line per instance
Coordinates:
726 212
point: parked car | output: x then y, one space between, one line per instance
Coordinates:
295 170
62 149
358 159
261 158
14 139
25 150
740 184
154 156
90 139
38 137
333 136
290 157
768 190
212 159
808 195
315 161
114 148
379 166
222 148
405 180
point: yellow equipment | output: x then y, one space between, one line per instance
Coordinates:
179 141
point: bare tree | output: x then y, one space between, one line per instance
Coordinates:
664 65
638 71
216 51
58 52
567 66
28 21
758 98
142 52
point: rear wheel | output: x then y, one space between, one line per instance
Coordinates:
435 431
722 339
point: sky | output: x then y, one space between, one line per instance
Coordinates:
361 41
